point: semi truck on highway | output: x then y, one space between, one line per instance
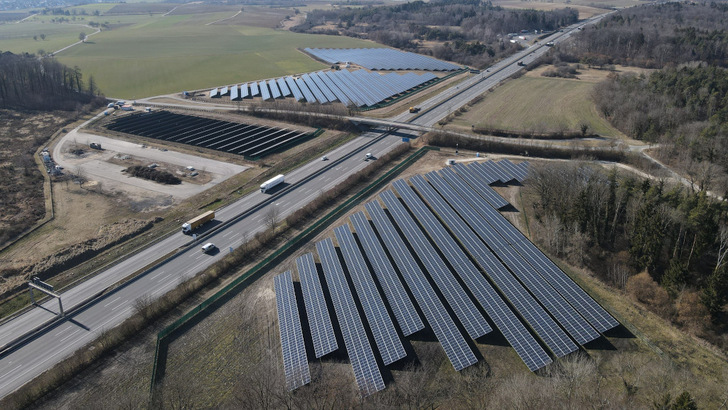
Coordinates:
267 185
197 221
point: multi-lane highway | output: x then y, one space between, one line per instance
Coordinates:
28 359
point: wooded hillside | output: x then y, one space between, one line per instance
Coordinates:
469 31
29 82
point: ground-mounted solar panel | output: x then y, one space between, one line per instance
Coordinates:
404 311
224 91
479 185
443 326
315 76
494 169
264 91
297 94
506 175
575 325
507 322
333 88
285 91
304 89
244 91
313 87
464 308
381 59
485 173
385 335
322 331
215 93
575 295
254 90
274 91
522 168
510 168
234 93
293 347
366 371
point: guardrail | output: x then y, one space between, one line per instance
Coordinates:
206 307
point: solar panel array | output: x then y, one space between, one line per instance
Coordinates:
322 331
233 137
381 59
366 372
480 185
404 311
295 363
385 335
444 225
358 87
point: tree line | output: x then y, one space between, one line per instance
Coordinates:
27 82
467 31
620 226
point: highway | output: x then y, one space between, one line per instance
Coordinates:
28 359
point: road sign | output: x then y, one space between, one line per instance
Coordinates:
405 139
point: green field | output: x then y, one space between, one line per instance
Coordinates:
538 104
145 55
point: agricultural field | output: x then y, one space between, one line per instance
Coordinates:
539 104
585 11
179 52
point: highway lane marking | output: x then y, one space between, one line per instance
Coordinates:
236 234
14 369
107 305
160 272
69 336
122 304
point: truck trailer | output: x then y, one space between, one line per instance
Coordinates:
267 185
197 221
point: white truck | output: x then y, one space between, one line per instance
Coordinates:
269 184
197 221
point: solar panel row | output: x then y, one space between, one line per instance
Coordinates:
446 331
236 138
517 335
381 59
295 362
580 300
254 90
322 331
401 305
385 335
366 372
464 308
479 185
234 93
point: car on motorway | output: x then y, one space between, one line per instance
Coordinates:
208 247
368 156
324 158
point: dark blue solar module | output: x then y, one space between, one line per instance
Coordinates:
381 59
311 84
576 296
366 372
322 332
510 169
479 185
304 89
523 170
385 335
464 308
494 169
315 76
514 331
402 307
452 341
485 173
574 324
274 91
293 347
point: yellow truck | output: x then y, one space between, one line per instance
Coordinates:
198 221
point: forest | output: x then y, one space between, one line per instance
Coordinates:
665 245
466 31
30 83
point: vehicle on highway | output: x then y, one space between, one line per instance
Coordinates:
414 110
269 184
324 158
208 247
198 221
368 156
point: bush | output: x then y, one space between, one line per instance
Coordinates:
153 175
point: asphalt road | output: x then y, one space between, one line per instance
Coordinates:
31 358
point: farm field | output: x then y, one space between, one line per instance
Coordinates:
540 104
18 38
585 11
